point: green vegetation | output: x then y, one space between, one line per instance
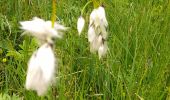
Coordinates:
137 66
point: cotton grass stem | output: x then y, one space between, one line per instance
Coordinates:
95 3
82 11
53 17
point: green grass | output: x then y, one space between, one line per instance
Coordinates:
137 65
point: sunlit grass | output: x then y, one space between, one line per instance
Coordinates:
137 65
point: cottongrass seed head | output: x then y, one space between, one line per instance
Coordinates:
41 69
80 24
41 66
97 34
42 29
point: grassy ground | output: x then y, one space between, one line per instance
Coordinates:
137 66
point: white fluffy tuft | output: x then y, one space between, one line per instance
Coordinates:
80 24
91 34
41 69
97 33
102 50
42 29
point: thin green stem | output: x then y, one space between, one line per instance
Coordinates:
82 11
95 3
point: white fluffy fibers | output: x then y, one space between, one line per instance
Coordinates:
41 69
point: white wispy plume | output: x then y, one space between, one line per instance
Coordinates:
102 50
80 24
42 29
41 69
97 34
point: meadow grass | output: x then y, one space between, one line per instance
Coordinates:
137 66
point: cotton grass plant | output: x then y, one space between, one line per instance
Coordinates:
41 66
97 33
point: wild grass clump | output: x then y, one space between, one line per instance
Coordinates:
137 65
